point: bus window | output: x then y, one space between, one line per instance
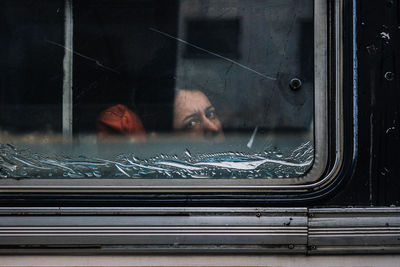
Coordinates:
233 92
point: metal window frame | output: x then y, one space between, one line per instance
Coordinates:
67 101
311 181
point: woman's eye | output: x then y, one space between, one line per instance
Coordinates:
211 114
190 124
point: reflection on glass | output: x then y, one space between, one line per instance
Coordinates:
161 89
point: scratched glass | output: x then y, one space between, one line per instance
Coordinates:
156 89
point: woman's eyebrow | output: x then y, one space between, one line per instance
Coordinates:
209 108
193 115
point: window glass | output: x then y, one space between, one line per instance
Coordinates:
31 67
157 89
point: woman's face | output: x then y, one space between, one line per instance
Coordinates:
195 115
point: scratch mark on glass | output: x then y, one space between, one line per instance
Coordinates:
250 143
214 54
98 63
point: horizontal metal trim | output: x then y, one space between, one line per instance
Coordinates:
382 249
353 210
150 226
159 249
104 211
155 239
328 231
152 229
349 228
275 229
151 221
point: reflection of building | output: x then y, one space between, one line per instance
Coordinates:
126 53
268 37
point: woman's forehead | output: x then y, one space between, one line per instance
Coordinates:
191 98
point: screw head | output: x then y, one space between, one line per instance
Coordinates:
295 84
389 76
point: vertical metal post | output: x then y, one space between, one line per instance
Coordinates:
67 68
